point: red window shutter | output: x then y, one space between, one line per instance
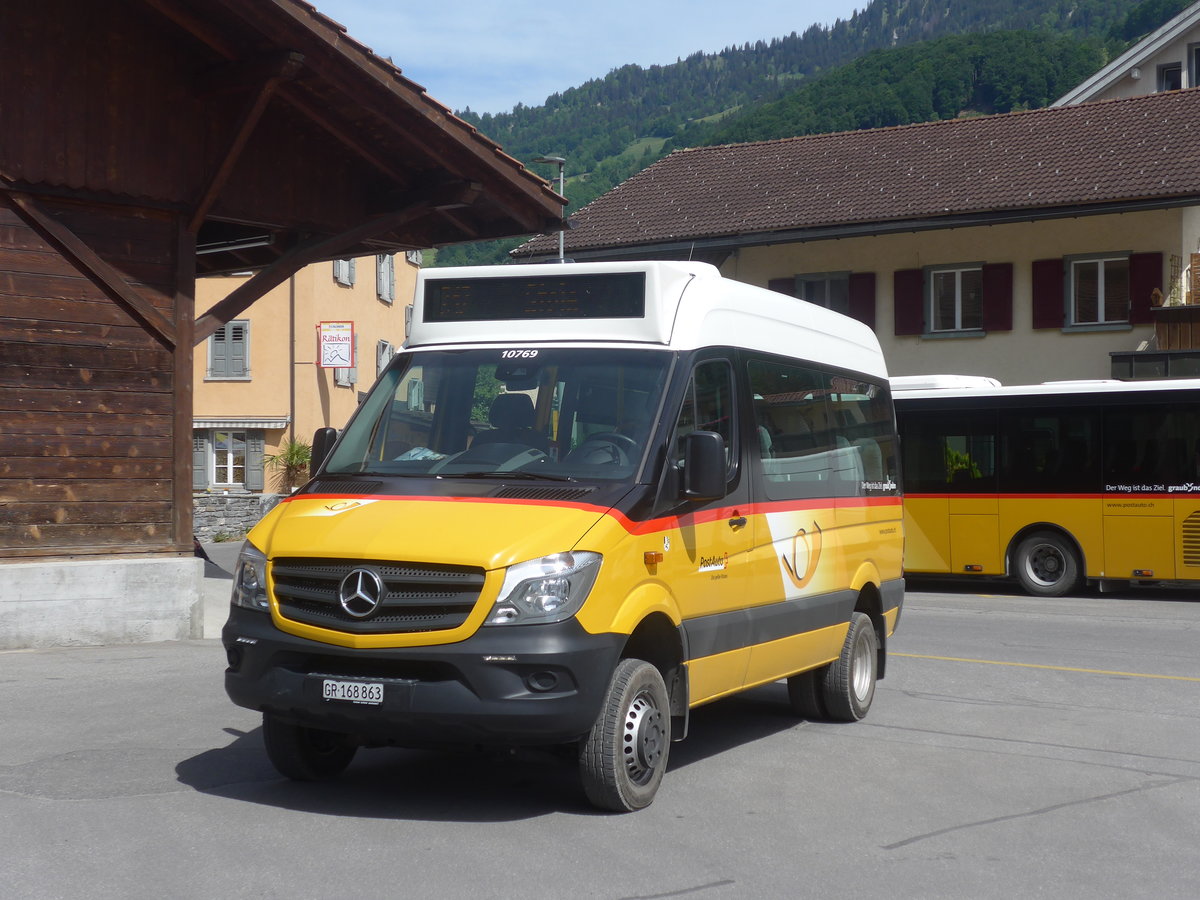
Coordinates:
862 297
1048 298
908 289
1145 276
997 297
783 285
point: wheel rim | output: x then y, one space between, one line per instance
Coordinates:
863 667
1046 564
644 741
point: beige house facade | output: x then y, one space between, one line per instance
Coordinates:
1022 350
259 382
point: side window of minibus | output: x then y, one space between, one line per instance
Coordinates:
792 422
708 406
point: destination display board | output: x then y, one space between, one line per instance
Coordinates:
611 295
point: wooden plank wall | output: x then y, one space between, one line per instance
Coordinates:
86 393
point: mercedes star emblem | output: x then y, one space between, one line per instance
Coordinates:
361 592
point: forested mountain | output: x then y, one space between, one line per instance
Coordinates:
894 62
969 74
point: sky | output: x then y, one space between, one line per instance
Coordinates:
489 55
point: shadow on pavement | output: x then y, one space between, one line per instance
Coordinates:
466 785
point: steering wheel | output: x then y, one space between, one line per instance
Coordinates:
617 448
623 441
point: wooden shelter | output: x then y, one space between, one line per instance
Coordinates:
144 143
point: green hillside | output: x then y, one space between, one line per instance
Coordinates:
894 62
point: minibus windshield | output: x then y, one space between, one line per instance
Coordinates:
565 413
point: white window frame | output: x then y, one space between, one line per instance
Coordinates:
1101 260
224 337
1163 71
932 276
215 464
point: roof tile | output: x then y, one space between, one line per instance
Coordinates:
1120 150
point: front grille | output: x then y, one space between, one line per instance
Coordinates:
418 596
1191 540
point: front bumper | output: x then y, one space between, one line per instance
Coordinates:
509 685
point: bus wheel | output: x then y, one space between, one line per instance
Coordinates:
305 754
849 682
623 758
804 694
1046 565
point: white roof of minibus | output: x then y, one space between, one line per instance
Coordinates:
921 389
688 305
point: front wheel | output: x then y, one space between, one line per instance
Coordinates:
305 754
1046 564
622 760
849 681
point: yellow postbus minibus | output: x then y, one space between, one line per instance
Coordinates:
1055 485
582 501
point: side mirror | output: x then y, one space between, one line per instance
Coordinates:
704 466
322 443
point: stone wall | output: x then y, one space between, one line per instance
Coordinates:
228 515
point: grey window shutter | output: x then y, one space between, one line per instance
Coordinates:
352 270
218 354
199 460
236 344
254 460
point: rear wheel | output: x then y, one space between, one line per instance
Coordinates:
622 760
305 754
1046 564
849 681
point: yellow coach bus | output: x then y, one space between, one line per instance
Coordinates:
1056 485
582 501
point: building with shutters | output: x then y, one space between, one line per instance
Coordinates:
258 379
1031 246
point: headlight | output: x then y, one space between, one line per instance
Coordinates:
250 579
545 590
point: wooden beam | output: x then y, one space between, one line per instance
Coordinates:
185 306
89 263
448 196
283 68
346 135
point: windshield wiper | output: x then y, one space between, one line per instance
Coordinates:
515 474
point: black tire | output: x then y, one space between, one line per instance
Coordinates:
805 693
849 681
622 760
1046 564
305 754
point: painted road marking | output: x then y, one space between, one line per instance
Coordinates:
997 662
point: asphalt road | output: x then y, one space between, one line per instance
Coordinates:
1017 748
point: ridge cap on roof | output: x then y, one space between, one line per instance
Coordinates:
1075 109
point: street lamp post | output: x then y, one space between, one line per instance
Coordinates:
562 165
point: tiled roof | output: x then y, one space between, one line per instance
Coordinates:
1120 151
